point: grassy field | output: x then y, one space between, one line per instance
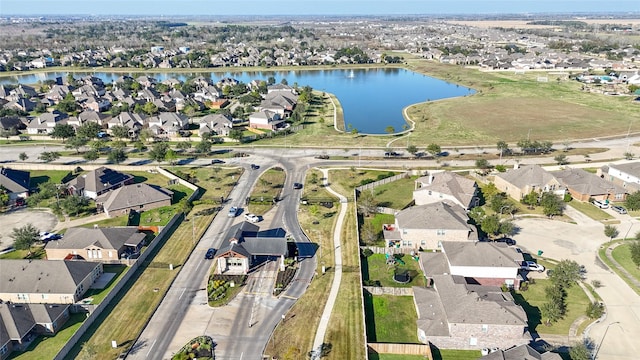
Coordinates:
45 347
99 294
397 194
395 357
532 299
439 354
590 210
374 268
268 186
345 180
391 319
622 254
55 176
602 255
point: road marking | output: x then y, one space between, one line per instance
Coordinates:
182 293
151 348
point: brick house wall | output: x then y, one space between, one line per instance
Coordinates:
479 336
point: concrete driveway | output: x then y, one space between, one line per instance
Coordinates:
42 220
580 242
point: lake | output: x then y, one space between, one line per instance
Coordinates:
372 99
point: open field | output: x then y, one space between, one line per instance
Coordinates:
268 187
524 24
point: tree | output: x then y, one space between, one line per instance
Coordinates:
434 149
565 274
150 108
610 231
23 156
483 164
389 130
4 196
89 130
62 131
146 135
503 147
490 225
551 311
158 151
561 159
412 149
236 134
204 147
116 156
354 132
367 203
594 310
580 351
634 248
120 132
76 143
24 237
633 201
552 204
530 199
91 155
368 233
49 156
7 133
184 145
74 204
170 156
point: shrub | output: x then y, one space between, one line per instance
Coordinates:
595 310
567 197
367 252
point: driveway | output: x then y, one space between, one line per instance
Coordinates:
580 242
42 220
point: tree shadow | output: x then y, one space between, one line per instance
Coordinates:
534 316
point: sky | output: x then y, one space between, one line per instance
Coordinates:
310 7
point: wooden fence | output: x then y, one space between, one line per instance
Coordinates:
404 349
394 291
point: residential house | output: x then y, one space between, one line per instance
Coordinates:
134 197
426 226
522 352
98 182
585 186
167 123
218 124
626 175
479 262
133 122
246 247
453 314
208 93
11 122
266 119
46 281
16 182
520 181
96 244
21 104
280 102
446 185
44 123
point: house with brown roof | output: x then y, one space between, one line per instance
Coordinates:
134 197
96 244
440 186
453 314
98 182
522 180
426 226
584 185
46 281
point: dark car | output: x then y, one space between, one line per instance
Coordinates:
210 253
255 167
297 186
217 161
323 157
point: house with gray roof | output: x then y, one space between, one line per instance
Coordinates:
626 175
46 281
219 124
522 180
440 186
96 244
44 123
266 119
98 182
245 247
583 185
426 226
16 182
453 314
134 197
522 352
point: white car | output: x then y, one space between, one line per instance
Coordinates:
602 204
233 211
252 217
532 266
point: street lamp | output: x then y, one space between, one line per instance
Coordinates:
595 356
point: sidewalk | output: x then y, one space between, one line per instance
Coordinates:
78 222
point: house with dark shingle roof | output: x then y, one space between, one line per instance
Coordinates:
426 226
522 352
520 181
134 197
453 314
246 247
16 182
98 182
446 185
96 244
46 281
584 185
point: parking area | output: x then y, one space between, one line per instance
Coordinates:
42 220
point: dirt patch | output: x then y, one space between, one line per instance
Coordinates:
42 220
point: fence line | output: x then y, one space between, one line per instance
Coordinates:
384 250
404 349
394 291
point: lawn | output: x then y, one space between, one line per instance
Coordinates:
622 254
532 299
109 222
397 194
373 356
391 319
37 252
590 210
345 180
602 255
443 354
99 294
55 176
375 269
268 187
46 347
377 220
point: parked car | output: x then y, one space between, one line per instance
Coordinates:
507 241
252 217
46 236
210 253
391 153
619 209
323 157
602 204
532 266
297 186
255 167
233 211
216 161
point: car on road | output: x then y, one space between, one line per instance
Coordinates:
216 161
210 253
507 241
602 204
391 153
531 266
252 217
323 157
233 211
47 236
255 167
297 186
619 209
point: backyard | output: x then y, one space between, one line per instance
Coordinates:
345 180
377 272
391 319
44 347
